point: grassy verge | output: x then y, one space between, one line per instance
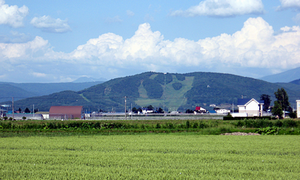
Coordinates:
205 127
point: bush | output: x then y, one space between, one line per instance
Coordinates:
195 125
289 123
187 124
268 131
158 126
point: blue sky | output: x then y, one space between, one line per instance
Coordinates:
60 41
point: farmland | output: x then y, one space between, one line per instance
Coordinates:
150 156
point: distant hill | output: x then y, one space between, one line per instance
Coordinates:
168 91
25 90
8 91
296 82
286 76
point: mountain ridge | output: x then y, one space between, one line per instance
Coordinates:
172 91
286 76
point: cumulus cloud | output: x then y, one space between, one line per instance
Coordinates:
285 4
255 45
22 50
12 15
15 37
49 24
222 8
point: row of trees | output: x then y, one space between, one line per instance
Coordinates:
281 105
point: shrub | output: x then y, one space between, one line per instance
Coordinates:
289 123
278 123
187 124
195 125
268 131
158 126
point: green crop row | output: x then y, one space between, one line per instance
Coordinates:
155 156
7 128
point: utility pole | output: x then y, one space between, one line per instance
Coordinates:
125 107
12 108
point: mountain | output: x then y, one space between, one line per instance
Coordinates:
25 90
9 91
286 76
296 82
169 91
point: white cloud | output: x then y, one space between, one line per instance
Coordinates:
255 45
223 8
48 24
12 15
37 74
113 19
14 37
289 4
129 13
297 18
22 50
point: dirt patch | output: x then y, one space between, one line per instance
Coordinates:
241 134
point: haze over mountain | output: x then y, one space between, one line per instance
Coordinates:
169 91
88 79
286 76
25 90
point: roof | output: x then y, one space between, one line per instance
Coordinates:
65 110
242 102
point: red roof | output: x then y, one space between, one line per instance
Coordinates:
197 108
68 112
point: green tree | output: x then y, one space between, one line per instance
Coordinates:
267 101
27 110
282 99
277 110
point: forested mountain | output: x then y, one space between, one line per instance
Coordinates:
296 82
25 90
168 91
284 77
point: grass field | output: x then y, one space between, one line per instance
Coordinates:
150 156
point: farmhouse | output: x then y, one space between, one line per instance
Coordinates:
250 107
66 112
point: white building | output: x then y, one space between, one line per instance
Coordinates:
251 107
298 108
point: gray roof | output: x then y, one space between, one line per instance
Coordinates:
242 102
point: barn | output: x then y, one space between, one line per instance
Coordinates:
66 112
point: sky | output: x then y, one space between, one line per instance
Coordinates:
61 41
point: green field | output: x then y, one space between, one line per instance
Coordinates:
150 156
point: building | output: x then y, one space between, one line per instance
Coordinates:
251 107
199 109
298 108
66 112
222 111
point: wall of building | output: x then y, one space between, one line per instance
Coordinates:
298 108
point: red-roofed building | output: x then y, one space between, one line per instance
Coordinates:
66 112
199 109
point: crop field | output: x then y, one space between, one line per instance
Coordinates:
150 156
